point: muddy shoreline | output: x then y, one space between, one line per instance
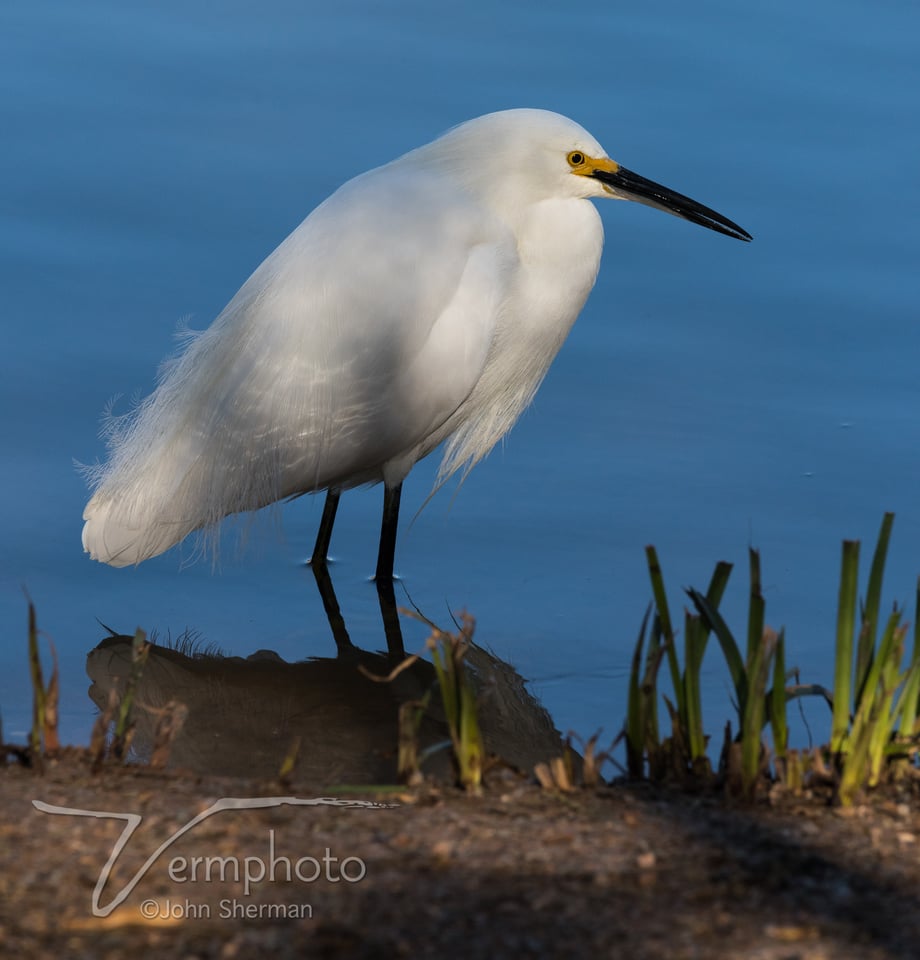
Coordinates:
627 870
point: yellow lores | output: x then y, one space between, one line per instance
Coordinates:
586 166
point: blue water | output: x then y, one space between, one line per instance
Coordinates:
713 394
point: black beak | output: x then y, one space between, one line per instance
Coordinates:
630 186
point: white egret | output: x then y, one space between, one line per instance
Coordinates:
422 302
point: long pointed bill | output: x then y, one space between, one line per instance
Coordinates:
630 186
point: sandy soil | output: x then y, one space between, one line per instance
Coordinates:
623 871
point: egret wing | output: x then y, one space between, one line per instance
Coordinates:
348 347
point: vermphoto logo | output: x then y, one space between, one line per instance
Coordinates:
273 866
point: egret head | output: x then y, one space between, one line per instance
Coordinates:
515 157
517 154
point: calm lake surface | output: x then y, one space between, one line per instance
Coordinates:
713 395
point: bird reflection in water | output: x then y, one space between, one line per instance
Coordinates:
388 611
244 714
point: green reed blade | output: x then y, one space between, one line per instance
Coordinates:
776 699
755 604
730 650
866 644
846 617
664 616
694 647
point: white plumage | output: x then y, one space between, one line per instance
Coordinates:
423 301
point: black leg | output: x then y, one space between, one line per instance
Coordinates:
388 527
324 535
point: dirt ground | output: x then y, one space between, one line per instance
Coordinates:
621 871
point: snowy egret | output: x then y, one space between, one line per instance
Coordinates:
422 302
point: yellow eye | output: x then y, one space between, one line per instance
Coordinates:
576 158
